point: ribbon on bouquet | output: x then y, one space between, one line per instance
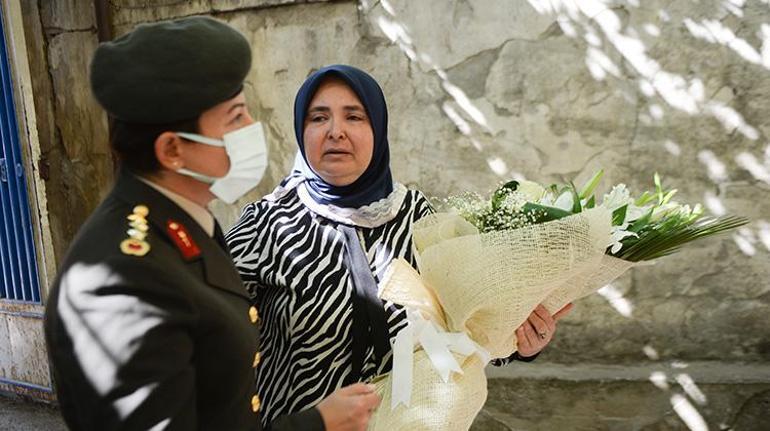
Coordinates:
437 344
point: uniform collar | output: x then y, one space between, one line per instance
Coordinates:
197 212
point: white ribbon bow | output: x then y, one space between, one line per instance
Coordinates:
438 345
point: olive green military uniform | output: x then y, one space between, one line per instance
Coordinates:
148 324
160 337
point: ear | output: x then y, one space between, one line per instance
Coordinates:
168 151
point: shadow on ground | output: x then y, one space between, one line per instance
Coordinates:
20 415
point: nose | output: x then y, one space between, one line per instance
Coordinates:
336 130
248 119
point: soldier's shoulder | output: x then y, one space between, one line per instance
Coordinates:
116 243
115 228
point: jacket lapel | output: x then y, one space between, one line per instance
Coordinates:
218 267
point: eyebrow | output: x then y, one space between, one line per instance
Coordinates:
327 109
237 105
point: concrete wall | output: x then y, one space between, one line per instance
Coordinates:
484 90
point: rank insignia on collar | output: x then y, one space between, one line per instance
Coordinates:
183 240
135 244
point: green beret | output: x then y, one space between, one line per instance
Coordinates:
170 71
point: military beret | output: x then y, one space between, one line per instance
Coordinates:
170 71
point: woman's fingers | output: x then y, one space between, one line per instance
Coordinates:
545 315
522 341
349 408
538 330
542 322
357 389
371 401
532 336
563 312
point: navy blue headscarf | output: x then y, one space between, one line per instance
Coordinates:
376 182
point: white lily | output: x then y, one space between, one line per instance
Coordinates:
548 199
617 197
634 212
618 233
531 191
565 201
663 210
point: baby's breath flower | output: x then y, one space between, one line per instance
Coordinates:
514 201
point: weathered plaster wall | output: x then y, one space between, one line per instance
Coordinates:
529 96
75 161
484 90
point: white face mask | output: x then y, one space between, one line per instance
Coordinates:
248 159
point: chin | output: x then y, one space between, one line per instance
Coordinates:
339 181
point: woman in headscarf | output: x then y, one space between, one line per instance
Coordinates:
313 252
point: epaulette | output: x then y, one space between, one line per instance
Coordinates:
135 244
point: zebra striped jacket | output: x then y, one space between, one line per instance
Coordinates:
289 253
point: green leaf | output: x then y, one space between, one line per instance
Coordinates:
502 192
591 203
619 215
696 213
669 236
510 185
590 186
554 188
576 208
658 188
543 213
668 196
644 199
641 222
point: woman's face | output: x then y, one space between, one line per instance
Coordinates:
338 136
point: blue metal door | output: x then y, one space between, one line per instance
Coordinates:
18 262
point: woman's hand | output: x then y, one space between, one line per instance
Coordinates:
537 331
349 408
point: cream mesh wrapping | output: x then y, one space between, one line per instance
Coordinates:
489 283
486 285
435 405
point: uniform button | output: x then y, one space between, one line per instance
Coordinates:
257 359
253 314
255 403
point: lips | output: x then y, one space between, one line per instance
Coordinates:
336 153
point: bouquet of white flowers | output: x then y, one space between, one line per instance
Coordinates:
486 263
